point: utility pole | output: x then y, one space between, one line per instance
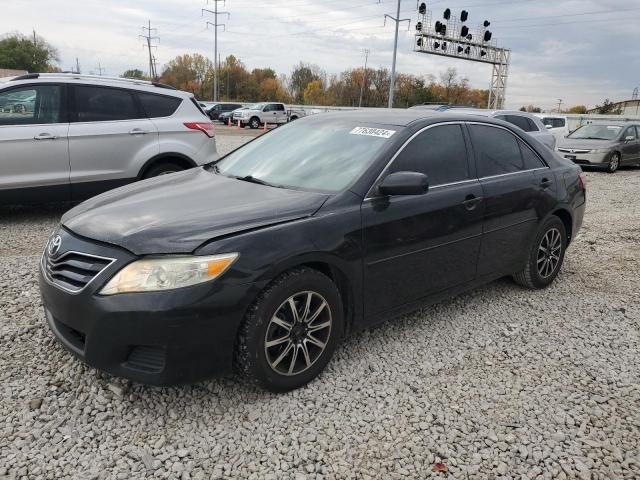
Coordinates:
77 66
559 104
215 26
397 21
100 69
364 76
149 38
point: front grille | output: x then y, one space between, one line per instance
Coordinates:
568 150
73 271
147 358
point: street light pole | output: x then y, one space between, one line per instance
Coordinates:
364 76
392 82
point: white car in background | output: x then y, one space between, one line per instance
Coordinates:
557 125
69 137
526 121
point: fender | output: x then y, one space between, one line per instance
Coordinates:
165 155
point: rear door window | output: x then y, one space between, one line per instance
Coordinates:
31 105
103 104
156 106
530 159
497 151
438 152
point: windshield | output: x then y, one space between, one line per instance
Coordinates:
596 132
258 106
317 156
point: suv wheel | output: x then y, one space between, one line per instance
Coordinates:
614 163
545 257
163 168
254 123
290 333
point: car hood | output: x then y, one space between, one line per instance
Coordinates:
179 212
583 144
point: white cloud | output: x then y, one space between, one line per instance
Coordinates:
555 52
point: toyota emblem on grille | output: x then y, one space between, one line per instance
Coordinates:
54 245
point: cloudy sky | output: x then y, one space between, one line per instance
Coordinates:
581 51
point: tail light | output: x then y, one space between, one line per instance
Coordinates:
204 127
582 180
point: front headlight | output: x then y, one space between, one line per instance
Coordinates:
601 150
155 274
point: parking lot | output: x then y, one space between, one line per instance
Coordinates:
498 382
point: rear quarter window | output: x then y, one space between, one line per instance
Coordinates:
158 105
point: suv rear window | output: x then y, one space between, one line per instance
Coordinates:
158 105
103 104
520 121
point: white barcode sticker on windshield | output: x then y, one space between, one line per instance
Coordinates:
372 132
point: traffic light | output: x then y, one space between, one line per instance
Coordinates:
422 9
465 31
487 36
464 15
447 14
486 23
419 26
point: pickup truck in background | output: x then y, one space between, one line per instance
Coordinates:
266 112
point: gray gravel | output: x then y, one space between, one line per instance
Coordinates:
500 382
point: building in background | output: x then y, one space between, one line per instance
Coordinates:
626 108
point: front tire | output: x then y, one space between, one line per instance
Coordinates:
290 333
545 257
254 123
614 163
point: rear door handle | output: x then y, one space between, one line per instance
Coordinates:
137 131
45 136
545 183
471 201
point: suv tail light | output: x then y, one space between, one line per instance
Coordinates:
204 127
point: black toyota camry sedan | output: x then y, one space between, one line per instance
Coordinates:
263 260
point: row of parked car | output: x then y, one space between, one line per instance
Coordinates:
98 133
252 115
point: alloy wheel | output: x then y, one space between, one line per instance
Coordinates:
549 252
614 163
298 333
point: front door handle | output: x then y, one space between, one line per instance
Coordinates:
137 131
471 201
545 183
45 136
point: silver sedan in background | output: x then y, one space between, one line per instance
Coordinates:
607 146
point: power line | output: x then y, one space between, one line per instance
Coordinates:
149 38
215 26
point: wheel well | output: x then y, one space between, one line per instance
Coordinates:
565 216
183 161
344 287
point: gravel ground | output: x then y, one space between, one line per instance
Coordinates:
500 382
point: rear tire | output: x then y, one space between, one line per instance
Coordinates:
163 168
281 350
545 256
614 163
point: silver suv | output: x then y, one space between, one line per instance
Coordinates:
69 137
527 122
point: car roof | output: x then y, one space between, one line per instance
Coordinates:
71 78
403 117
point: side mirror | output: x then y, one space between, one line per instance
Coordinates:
629 138
549 127
404 183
